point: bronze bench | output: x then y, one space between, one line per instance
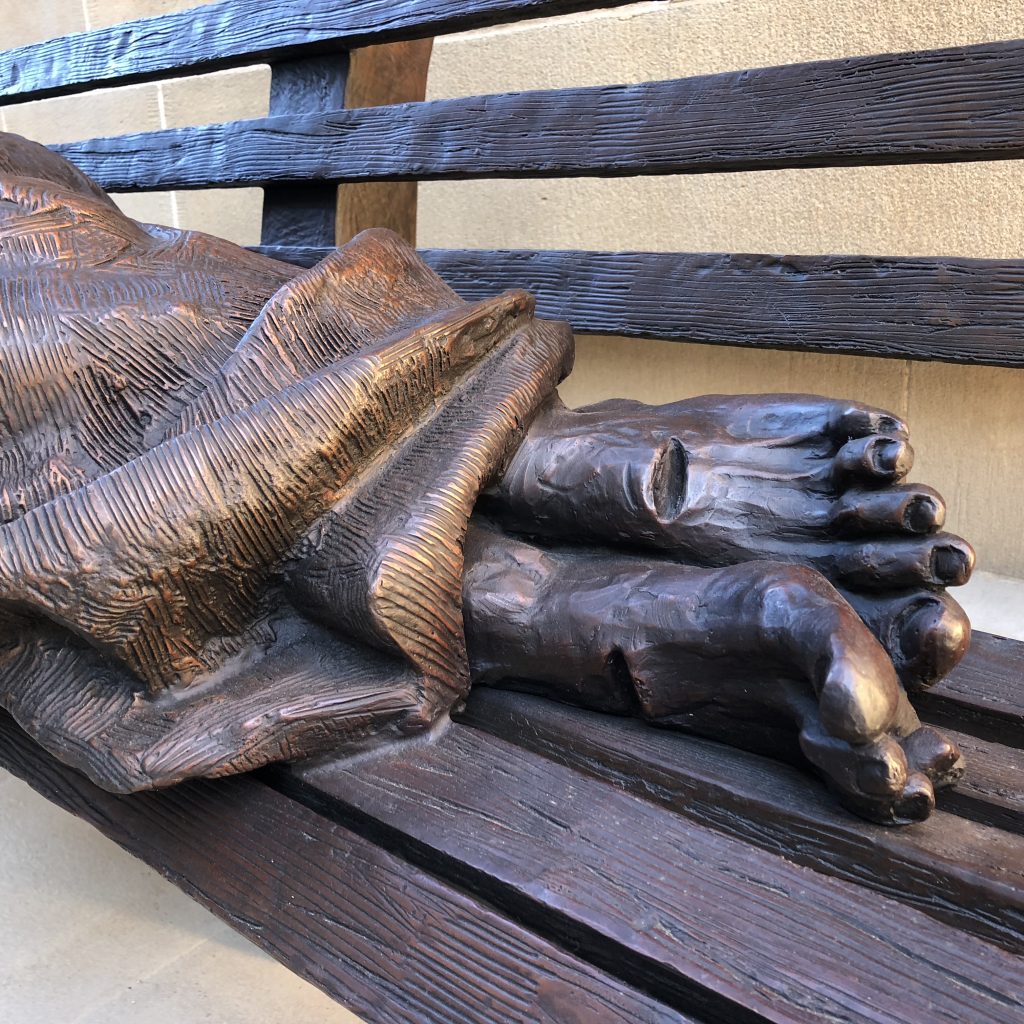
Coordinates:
542 863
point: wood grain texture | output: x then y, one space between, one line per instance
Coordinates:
992 790
942 308
388 940
969 876
238 32
984 695
378 75
707 923
302 86
941 105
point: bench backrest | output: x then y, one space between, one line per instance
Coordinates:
945 105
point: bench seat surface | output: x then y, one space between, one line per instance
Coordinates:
542 863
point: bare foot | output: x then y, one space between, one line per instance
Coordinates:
721 480
762 655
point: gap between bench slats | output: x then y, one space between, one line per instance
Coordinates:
967 875
942 308
390 941
705 922
930 106
238 32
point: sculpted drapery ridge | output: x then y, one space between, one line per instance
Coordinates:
236 504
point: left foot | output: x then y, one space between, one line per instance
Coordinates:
759 655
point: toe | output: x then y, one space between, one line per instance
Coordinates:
926 633
876 459
916 802
863 420
934 755
911 508
858 699
942 560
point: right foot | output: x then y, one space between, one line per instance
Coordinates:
722 480
756 655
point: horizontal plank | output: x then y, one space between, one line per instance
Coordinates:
992 790
941 308
238 32
939 105
710 924
388 940
970 876
984 694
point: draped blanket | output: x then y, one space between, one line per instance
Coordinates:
234 496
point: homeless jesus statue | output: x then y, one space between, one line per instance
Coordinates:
252 513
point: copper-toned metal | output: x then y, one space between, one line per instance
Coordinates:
235 500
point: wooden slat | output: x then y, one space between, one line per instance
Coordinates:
237 32
968 875
705 922
387 939
992 790
952 310
984 695
304 215
939 105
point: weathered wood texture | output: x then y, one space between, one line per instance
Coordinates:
709 924
984 695
390 941
956 104
953 310
304 216
378 75
237 32
969 876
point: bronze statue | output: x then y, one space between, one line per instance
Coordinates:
252 514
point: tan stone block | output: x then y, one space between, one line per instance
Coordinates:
112 12
135 108
967 426
148 207
232 213
25 23
665 371
233 95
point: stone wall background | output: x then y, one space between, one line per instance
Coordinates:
967 422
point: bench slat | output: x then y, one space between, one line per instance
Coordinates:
710 924
992 791
299 87
388 940
940 308
984 695
954 310
968 875
237 32
929 106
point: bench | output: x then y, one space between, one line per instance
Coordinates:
542 863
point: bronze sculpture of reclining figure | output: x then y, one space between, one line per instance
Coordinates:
251 513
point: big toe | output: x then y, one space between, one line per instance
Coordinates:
925 632
933 637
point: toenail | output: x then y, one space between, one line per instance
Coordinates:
917 801
950 566
921 515
885 455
